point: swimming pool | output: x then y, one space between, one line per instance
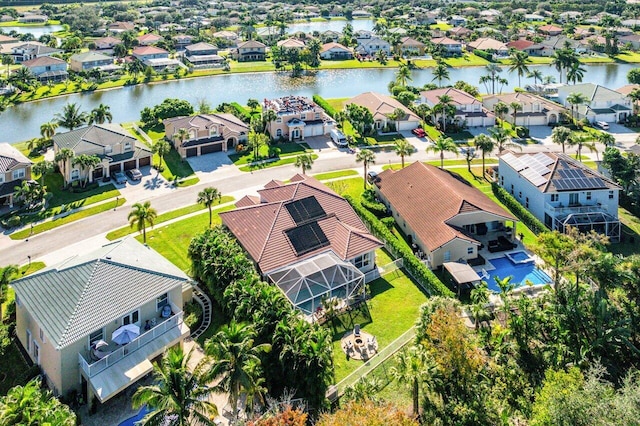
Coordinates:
131 421
519 257
519 272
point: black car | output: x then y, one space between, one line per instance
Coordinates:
134 174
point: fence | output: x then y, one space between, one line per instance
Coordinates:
142 133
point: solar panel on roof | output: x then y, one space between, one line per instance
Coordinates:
306 238
543 159
513 161
305 209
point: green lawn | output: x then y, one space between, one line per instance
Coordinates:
286 149
281 162
393 310
334 175
630 229
337 103
172 241
351 186
629 57
467 60
54 184
165 217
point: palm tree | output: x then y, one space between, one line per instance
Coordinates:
404 149
100 114
71 117
207 197
582 140
635 97
515 106
445 108
479 299
412 367
268 117
493 70
519 61
87 163
576 99
607 139
403 75
366 157
440 72
502 139
162 148
560 135
135 68
24 76
236 363
575 73
535 75
304 161
43 168
142 215
253 103
178 395
32 405
7 274
485 144
8 61
48 129
120 50
470 154
443 144
62 158
500 109
32 144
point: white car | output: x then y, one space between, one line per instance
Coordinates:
603 125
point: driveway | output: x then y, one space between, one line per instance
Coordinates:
209 162
542 134
625 137
318 143
152 184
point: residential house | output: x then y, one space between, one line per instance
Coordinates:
449 46
630 23
14 168
498 48
64 310
268 34
89 60
550 30
250 50
206 133
534 110
297 117
106 44
156 58
469 111
182 41
149 39
569 16
226 35
459 33
602 104
520 44
121 27
307 240
47 68
457 21
117 149
382 107
371 46
549 46
334 51
411 47
626 91
5 39
203 55
330 35
562 192
291 43
442 216
533 17
31 50
633 40
359 13
33 18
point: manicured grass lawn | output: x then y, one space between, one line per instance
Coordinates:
334 175
36 157
165 217
54 183
630 229
337 103
45 226
172 241
467 60
463 136
628 56
286 149
281 162
393 310
447 163
381 139
351 186
174 165
432 132
596 60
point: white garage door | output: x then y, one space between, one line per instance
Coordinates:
313 130
609 118
408 125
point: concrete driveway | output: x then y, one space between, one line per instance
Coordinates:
318 143
625 137
151 184
209 162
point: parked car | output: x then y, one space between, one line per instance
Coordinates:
134 174
603 125
119 177
419 132
372 176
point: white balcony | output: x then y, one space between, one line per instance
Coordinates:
560 209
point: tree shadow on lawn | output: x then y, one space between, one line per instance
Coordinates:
346 321
629 242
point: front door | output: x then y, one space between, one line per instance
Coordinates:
296 133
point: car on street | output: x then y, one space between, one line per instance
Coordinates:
134 174
419 132
119 177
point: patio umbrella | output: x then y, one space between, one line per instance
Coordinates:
125 334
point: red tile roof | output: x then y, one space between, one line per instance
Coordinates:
427 198
260 228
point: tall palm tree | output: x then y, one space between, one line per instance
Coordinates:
535 75
502 139
411 368
575 73
71 117
445 108
607 139
207 197
62 157
8 61
560 135
441 145
493 70
162 148
404 149
403 75
582 140
635 97
7 274
576 99
519 60
48 129
235 360
500 109
515 106
485 144
304 161
179 395
480 299
100 114
43 168
140 216
440 72
24 76
86 163
366 157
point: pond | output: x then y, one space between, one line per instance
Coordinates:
36 30
22 122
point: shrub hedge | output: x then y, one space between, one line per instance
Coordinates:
411 263
484 54
518 209
325 105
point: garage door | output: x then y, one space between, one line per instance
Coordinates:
408 125
114 168
97 173
192 152
144 161
131 164
216 147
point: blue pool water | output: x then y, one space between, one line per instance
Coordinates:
519 273
520 256
131 421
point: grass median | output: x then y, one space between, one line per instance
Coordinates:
335 175
281 162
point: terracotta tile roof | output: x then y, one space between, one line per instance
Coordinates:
148 50
381 106
260 228
248 200
520 44
427 198
458 97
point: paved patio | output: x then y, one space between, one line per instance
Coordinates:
360 347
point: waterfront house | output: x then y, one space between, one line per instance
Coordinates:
372 45
491 45
47 68
33 18
411 47
291 43
87 61
561 192
469 110
14 168
182 40
449 46
603 104
297 117
156 58
534 110
382 107
65 311
250 50
334 51
31 50
203 55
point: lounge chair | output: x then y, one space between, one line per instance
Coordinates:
356 330
166 311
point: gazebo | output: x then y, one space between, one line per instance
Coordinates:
308 282
462 274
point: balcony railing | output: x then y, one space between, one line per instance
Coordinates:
575 209
138 343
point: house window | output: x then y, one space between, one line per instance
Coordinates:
36 352
573 199
42 339
447 256
511 189
526 202
131 318
108 149
18 174
95 336
279 132
362 261
469 250
303 116
161 301
611 195
588 196
279 120
1 178
520 194
29 338
554 198
75 174
127 146
317 116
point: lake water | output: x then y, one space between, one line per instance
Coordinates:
22 122
332 25
37 31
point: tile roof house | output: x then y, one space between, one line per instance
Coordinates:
306 239
549 46
207 133
603 104
120 27
297 117
439 213
411 47
14 168
551 30
47 68
520 44
32 50
87 61
333 51
62 311
469 110
535 111
250 50
291 43
149 39
115 146
372 45
449 46
203 55
381 106
156 58
459 32
562 192
488 44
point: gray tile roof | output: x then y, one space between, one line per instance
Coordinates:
82 294
11 157
96 135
